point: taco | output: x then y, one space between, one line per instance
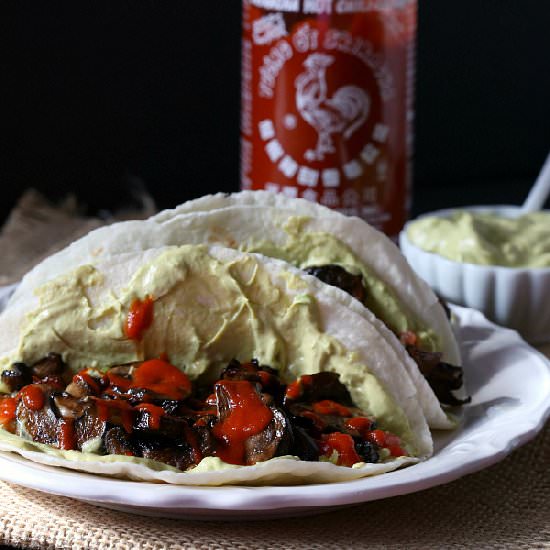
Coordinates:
339 250
204 365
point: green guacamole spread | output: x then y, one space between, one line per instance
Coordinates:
486 238
304 248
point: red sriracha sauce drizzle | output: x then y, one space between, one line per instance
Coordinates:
33 397
139 318
360 424
163 378
156 375
8 407
248 416
295 389
343 444
326 406
66 437
107 407
387 440
408 338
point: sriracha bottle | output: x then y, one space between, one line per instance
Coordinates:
327 91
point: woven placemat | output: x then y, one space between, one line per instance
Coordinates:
37 228
505 506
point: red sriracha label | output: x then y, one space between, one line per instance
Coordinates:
327 102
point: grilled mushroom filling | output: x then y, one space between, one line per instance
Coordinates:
150 409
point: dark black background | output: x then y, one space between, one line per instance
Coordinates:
95 94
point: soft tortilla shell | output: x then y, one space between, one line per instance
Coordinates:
277 471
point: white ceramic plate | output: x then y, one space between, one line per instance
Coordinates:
510 387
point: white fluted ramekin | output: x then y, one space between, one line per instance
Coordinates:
517 298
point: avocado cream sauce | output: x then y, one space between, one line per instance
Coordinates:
206 312
305 248
485 238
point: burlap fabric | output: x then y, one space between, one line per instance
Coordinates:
36 228
504 506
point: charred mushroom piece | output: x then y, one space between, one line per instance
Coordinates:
67 406
89 431
323 385
205 440
275 440
40 425
235 370
235 394
138 395
223 402
304 446
51 365
84 384
178 454
442 377
170 406
309 417
117 442
265 430
443 380
170 427
17 376
367 451
252 371
336 275
77 390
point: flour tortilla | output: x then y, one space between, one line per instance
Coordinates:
351 329
238 220
245 198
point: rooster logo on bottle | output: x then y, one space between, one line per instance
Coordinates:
342 113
